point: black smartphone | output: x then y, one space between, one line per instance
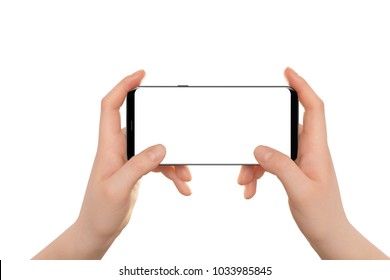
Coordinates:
212 125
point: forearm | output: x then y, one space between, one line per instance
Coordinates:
347 243
75 243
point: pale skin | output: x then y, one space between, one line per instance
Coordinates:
113 184
310 183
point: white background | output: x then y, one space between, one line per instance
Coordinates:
58 59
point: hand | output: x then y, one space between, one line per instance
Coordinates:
113 184
311 184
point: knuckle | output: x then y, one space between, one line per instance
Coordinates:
136 167
284 165
320 104
110 193
104 102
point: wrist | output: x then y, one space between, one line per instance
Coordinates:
75 243
331 244
89 243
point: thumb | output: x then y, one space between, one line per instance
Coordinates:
139 165
277 163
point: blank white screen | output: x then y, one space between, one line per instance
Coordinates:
212 125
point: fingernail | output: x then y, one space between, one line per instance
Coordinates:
246 195
138 72
262 154
189 192
239 179
184 188
293 72
156 152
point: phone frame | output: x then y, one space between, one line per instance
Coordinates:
130 116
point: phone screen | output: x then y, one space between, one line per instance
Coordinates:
201 125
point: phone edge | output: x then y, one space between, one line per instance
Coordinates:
294 123
130 113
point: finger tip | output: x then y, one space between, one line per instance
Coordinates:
162 148
257 150
290 74
140 72
250 189
247 195
188 173
134 80
184 189
156 153
243 181
290 70
286 71
187 193
262 154
184 174
259 147
187 177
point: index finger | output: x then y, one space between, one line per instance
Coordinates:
314 125
109 116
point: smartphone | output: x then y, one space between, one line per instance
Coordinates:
212 125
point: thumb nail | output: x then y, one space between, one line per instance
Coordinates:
263 154
155 153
